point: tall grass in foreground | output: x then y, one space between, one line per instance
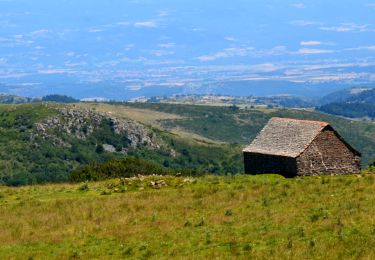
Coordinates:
210 217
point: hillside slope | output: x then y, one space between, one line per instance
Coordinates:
241 126
45 142
260 217
354 103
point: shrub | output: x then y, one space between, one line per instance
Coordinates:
125 168
99 148
84 187
228 212
59 98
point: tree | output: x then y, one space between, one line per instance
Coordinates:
234 108
59 98
99 148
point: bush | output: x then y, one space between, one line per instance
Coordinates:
59 98
84 187
126 168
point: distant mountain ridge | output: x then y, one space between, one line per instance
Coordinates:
126 91
14 99
362 96
353 103
287 101
356 93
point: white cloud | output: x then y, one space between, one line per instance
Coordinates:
335 65
140 24
244 52
310 43
298 6
123 23
53 71
146 24
2 39
95 30
167 45
70 54
256 78
29 84
197 29
266 67
12 75
128 47
39 33
230 39
275 51
307 51
370 48
16 40
134 88
227 53
160 53
340 77
348 27
361 48
205 58
6 24
164 13
77 64
304 23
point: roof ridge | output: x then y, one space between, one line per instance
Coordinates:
286 136
321 123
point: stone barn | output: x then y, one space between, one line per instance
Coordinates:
292 147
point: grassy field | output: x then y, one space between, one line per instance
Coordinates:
261 217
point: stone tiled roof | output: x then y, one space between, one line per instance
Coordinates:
286 137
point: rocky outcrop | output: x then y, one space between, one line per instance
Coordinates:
81 123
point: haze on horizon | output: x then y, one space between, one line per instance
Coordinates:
142 47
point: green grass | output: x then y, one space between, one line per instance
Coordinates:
240 217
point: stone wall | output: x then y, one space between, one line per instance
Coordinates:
327 155
256 163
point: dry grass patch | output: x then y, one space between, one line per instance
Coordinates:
148 117
145 116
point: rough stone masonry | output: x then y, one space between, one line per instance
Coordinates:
293 147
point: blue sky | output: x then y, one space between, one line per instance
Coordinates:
140 44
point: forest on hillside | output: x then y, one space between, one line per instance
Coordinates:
46 142
361 105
